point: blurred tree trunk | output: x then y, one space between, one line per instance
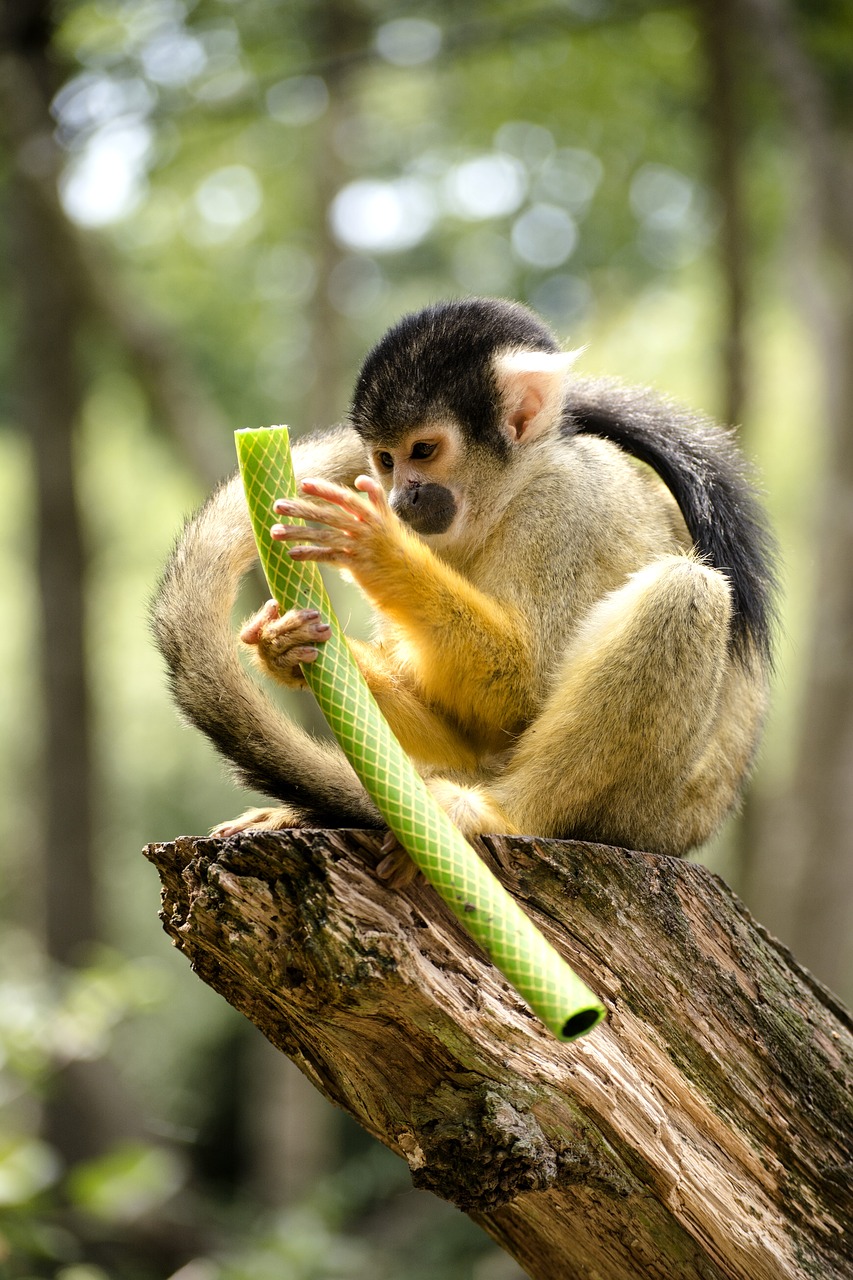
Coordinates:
336 29
178 400
49 402
85 1114
56 290
725 114
48 395
817 820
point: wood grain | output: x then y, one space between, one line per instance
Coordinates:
703 1131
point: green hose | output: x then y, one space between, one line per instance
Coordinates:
511 941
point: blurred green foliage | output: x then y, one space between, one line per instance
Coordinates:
273 183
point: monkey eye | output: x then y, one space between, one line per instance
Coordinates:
385 461
423 449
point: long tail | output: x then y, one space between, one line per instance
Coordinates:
191 620
710 480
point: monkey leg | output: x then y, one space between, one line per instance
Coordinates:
629 747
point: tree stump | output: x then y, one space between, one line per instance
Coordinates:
702 1131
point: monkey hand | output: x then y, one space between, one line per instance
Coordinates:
282 645
357 533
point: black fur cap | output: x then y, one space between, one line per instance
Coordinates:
438 362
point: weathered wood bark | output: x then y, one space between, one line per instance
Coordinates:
702 1131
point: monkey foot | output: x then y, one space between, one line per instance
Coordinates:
396 867
277 819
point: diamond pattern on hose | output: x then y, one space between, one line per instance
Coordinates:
510 939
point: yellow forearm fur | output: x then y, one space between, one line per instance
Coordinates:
470 653
423 732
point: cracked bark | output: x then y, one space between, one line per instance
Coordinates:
703 1131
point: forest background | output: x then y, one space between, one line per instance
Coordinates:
209 212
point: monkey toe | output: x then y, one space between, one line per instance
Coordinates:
252 630
278 819
396 867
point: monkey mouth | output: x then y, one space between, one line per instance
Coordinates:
427 508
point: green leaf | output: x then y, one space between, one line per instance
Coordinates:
27 1166
124 1185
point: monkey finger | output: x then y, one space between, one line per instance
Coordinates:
396 868
329 555
295 624
325 513
299 655
389 842
251 630
335 493
318 537
373 489
276 646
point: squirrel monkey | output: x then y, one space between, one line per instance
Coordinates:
567 644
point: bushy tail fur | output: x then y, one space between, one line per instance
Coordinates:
709 479
191 620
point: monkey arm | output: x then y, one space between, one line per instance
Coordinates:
282 645
470 653
423 733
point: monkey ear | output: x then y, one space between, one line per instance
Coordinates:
531 385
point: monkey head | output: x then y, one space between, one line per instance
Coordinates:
446 400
